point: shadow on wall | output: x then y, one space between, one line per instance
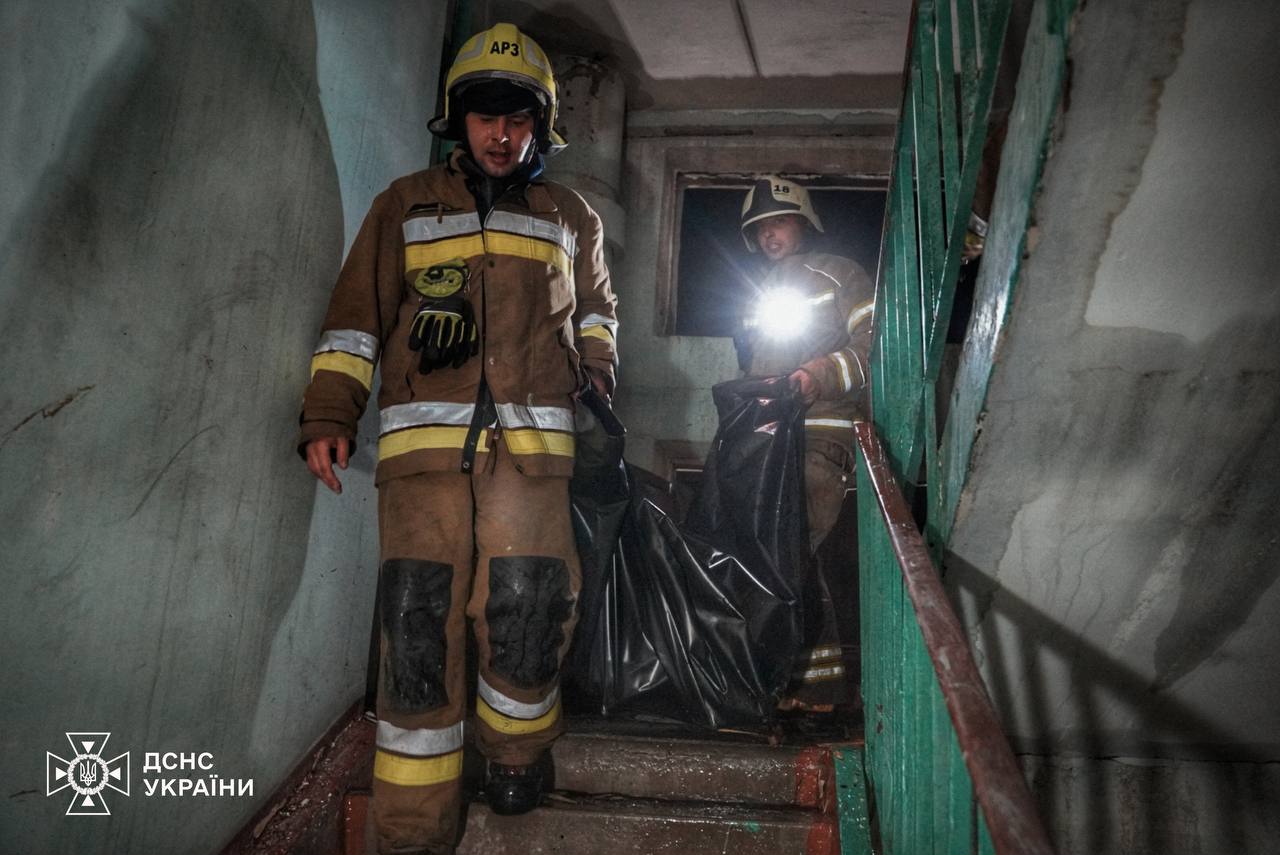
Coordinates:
158 302
1099 807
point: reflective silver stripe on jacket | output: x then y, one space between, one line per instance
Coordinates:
859 313
824 297
542 418
857 360
515 709
349 341
846 378
594 320
506 221
832 652
421 742
815 674
813 269
832 423
426 227
419 413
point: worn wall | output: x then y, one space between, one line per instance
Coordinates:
180 179
665 381
1115 554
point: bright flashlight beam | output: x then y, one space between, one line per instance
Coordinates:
782 313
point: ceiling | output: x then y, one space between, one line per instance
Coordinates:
728 54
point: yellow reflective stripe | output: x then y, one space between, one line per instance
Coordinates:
426 254
416 439
530 248
506 724
601 332
534 441
417 771
418 255
344 363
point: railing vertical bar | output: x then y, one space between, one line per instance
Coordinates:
947 104
947 824
997 21
915 341
933 472
928 162
985 844
927 686
902 723
888 711
900 291
872 541
967 20
892 299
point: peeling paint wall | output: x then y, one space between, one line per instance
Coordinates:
1116 554
1157 806
180 179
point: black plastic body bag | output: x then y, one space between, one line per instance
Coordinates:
697 622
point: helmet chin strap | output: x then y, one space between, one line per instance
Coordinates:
486 189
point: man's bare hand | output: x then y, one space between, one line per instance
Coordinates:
320 456
802 382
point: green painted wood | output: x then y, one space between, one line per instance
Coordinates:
1039 89
950 132
871 536
985 844
915 771
928 162
851 800
925 780
967 25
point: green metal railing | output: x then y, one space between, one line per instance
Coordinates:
941 776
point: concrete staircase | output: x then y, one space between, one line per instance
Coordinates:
620 788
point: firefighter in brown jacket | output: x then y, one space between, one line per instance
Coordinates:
481 290
811 320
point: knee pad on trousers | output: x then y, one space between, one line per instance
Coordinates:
415 606
529 601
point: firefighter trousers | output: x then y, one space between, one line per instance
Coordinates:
497 547
819 675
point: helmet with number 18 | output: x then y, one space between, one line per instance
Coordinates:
771 197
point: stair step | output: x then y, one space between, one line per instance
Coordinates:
622 826
694 770
647 826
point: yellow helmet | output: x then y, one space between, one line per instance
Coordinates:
501 52
772 196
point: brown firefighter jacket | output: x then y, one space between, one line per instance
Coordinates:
536 280
835 345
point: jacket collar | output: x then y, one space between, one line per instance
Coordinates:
536 196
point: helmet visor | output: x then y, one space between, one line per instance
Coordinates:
498 98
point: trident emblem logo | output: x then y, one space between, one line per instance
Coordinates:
87 774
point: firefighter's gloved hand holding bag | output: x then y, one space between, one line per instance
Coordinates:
444 330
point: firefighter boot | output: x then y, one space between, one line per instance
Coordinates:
514 790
